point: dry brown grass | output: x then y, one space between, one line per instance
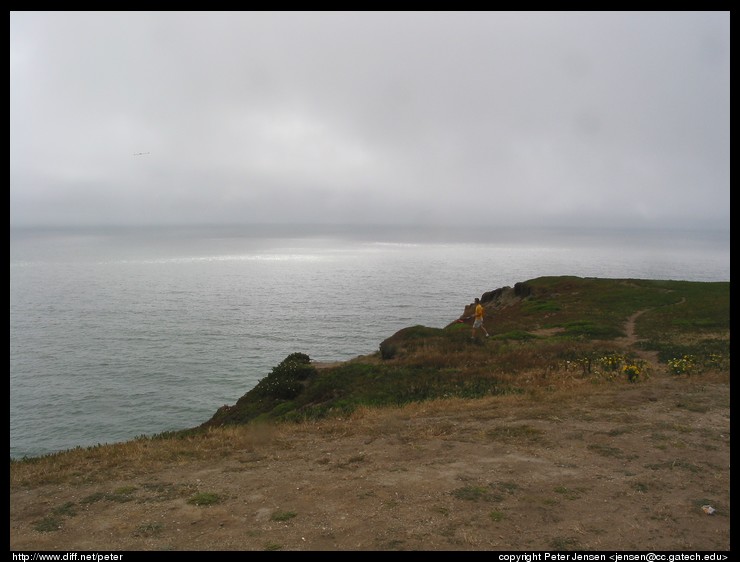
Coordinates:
148 455
528 471
139 456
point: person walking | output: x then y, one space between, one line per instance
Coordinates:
478 320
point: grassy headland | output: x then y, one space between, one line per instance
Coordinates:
539 327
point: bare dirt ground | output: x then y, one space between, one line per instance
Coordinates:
599 467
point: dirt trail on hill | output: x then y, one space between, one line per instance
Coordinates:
611 466
630 340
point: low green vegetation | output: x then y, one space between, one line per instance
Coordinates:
48 524
148 529
55 520
204 498
283 515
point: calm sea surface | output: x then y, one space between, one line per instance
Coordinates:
118 333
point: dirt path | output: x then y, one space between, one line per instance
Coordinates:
631 339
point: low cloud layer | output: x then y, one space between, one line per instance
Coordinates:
597 118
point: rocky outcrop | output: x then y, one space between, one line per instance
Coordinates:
499 298
505 295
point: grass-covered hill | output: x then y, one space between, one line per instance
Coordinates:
602 329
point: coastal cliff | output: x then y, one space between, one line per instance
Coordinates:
543 326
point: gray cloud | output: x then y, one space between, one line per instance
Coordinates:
489 117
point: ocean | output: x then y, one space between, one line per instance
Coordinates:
117 333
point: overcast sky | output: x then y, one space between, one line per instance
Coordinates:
543 118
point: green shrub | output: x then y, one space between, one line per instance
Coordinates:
285 380
388 350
